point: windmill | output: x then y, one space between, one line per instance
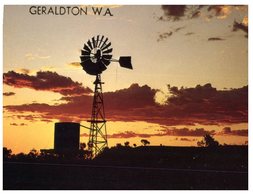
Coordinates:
96 55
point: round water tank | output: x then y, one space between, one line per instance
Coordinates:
66 137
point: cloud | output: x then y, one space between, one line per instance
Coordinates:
229 131
181 12
187 139
75 64
243 26
181 134
198 132
189 33
45 81
15 124
185 106
186 12
24 71
31 56
9 94
220 11
164 36
215 39
174 12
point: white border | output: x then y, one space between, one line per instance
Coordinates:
137 2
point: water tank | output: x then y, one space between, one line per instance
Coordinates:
66 137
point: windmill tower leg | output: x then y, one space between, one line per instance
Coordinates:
98 135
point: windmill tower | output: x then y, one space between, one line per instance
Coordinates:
96 55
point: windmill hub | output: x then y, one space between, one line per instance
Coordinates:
96 55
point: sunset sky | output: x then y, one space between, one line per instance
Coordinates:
189 77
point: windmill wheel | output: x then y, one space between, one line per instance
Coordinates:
96 55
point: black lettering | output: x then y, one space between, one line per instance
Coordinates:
62 10
39 10
83 10
43 10
55 10
97 10
32 10
108 12
68 8
50 11
73 12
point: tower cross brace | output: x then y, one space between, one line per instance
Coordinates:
98 134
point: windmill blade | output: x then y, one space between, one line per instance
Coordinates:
93 42
85 53
106 62
106 46
97 40
84 58
85 47
108 57
101 66
101 40
104 43
108 51
89 44
125 61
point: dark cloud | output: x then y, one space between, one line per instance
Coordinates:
179 12
182 12
164 36
187 139
240 26
129 134
174 12
179 28
15 124
215 39
189 33
181 134
198 132
9 94
75 64
45 81
168 132
185 106
229 131
219 10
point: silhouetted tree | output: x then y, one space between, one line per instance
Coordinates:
145 142
6 153
208 141
118 145
82 146
127 144
33 154
20 156
200 143
134 145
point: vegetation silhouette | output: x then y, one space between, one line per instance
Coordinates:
145 142
211 166
208 141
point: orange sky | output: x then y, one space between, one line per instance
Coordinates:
202 49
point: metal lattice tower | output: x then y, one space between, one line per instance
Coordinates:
98 135
96 55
